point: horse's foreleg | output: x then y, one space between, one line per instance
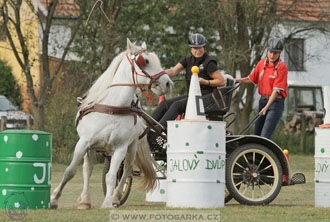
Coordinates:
84 199
111 176
69 172
128 169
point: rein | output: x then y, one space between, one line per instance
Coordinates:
140 62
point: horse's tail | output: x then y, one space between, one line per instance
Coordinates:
144 162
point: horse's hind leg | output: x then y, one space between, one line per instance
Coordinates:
84 199
69 172
128 169
111 176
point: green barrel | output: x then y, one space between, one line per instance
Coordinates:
25 169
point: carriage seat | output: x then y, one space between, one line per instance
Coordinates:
221 101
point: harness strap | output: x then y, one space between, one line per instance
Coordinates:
149 122
126 110
111 110
144 132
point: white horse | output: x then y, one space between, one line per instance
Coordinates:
106 123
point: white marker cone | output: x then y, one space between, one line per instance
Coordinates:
195 106
326 103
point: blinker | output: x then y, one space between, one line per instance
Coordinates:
141 61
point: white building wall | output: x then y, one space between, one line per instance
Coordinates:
317 62
316 57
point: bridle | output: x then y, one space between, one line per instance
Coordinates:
137 59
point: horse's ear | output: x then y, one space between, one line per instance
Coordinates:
129 45
144 45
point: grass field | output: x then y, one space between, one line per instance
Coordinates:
294 203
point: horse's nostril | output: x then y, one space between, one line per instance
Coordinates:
168 84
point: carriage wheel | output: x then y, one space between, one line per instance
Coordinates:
228 196
253 175
127 185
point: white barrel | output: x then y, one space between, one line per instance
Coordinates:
159 193
196 156
322 169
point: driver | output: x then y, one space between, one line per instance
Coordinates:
209 78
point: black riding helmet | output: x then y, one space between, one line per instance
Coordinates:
197 40
275 45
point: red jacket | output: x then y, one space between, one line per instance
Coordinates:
269 81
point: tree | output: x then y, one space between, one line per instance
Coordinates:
245 26
163 25
20 42
8 84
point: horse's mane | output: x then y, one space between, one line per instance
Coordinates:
99 89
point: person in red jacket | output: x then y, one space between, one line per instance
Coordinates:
270 75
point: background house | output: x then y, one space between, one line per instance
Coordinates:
307 51
32 27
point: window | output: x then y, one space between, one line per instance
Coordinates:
294 54
303 98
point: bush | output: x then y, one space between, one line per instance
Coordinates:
292 142
59 121
8 85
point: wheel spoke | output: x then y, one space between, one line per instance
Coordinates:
237 184
263 157
254 158
237 174
245 190
246 161
240 166
263 194
273 177
247 186
270 187
265 168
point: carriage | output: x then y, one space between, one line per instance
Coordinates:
111 121
256 167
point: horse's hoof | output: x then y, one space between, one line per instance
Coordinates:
84 206
116 204
53 206
106 206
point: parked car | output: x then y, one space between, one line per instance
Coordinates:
15 119
303 98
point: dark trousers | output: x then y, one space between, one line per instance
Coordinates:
265 125
176 106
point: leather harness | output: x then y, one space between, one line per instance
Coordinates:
111 110
133 110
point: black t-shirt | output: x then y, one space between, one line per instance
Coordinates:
204 73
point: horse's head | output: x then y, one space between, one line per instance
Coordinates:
147 69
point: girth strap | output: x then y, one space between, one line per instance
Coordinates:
111 110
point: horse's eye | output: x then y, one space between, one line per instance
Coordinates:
147 61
